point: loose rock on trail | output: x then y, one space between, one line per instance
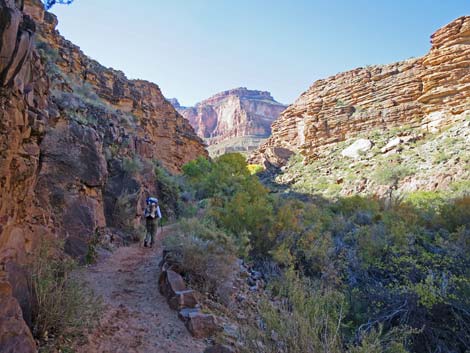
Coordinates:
136 317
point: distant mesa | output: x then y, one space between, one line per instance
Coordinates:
237 120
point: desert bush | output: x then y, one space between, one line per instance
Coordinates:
222 177
255 168
92 244
303 319
351 205
247 212
457 213
239 203
61 305
377 340
205 254
399 266
132 165
389 174
169 192
124 212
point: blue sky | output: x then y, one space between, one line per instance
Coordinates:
195 48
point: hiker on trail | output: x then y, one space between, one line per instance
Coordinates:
152 215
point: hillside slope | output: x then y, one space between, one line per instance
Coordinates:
391 107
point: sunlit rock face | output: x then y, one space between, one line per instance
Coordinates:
424 92
68 126
233 120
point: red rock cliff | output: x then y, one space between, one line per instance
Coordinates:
230 116
75 138
426 92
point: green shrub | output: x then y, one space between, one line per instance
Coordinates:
132 165
377 340
390 174
169 192
401 267
239 203
124 212
255 168
440 157
205 254
351 205
247 212
62 305
307 319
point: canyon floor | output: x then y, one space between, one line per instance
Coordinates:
136 317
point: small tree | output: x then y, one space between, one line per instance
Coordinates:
49 3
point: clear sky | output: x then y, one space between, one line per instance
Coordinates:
195 48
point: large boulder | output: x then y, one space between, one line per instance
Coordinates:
201 325
15 336
359 147
170 283
183 299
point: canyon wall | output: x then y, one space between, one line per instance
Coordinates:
424 92
79 146
233 120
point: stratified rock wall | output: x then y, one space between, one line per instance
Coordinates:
22 101
232 115
424 92
75 138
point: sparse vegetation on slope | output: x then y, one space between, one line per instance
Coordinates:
398 159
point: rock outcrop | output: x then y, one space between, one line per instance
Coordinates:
423 92
233 120
172 286
79 147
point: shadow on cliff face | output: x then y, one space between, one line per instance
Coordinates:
67 126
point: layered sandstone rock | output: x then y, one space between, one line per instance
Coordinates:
233 120
423 92
22 115
75 138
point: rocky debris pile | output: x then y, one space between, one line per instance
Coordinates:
254 278
396 144
205 314
358 148
420 92
172 286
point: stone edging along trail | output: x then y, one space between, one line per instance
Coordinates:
136 317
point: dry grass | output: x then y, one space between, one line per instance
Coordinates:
62 307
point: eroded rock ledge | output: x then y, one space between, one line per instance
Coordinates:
423 92
75 137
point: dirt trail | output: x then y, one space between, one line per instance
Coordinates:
136 318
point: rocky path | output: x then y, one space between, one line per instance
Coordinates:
136 318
